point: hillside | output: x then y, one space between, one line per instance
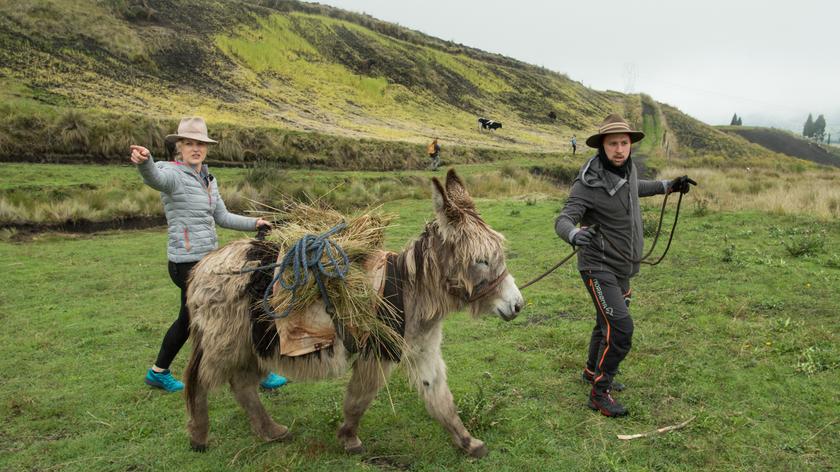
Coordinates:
787 143
299 83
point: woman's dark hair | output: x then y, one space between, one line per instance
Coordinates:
170 150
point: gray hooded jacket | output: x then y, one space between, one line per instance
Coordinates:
192 208
599 196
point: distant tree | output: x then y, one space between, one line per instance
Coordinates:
808 130
734 121
739 121
819 128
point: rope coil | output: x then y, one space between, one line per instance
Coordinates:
644 258
305 257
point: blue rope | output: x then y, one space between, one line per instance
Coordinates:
305 257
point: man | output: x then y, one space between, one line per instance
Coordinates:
574 145
606 192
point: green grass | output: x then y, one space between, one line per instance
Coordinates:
731 329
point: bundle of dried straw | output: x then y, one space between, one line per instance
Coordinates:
356 303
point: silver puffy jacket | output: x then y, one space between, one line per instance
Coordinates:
192 207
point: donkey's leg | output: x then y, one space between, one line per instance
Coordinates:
199 423
369 375
244 386
195 393
428 372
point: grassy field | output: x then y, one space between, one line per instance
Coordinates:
736 329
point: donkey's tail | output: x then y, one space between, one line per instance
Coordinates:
191 376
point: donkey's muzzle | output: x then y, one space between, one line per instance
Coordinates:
517 307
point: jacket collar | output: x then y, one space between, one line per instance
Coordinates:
594 175
203 175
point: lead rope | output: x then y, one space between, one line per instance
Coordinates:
656 238
596 229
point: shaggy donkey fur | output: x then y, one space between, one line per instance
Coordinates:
456 253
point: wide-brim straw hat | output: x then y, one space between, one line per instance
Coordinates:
191 128
613 124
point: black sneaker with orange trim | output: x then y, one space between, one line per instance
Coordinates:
604 402
588 376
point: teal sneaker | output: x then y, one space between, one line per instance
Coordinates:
163 380
272 381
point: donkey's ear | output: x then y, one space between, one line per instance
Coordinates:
457 191
447 212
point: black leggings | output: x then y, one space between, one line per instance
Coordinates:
178 333
612 335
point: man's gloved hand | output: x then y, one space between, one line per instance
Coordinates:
583 237
681 184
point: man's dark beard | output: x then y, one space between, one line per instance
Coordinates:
622 171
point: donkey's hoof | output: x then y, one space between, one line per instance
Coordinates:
356 449
277 432
352 444
197 447
477 449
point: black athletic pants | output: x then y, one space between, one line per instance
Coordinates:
178 333
613 332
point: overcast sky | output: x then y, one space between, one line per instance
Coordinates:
772 62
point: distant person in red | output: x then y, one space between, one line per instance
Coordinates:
193 208
434 153
606 192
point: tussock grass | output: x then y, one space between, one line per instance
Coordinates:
814 193
55 193
76 204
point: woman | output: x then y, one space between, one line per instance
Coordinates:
193 207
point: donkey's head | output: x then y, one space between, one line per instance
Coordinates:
472 256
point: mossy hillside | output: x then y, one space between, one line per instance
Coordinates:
249 64
283 65
48 134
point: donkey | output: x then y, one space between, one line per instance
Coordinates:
457 262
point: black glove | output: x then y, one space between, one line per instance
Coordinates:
681 184
584 237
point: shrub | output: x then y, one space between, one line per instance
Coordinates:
805 244
72 132
701 206
508 171
479 411
816 359
649 226
264 173
832 262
